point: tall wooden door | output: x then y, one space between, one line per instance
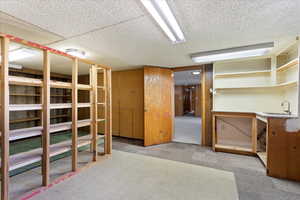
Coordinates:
158 103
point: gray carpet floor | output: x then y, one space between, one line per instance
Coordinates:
250 174
251 180
187 129
129 176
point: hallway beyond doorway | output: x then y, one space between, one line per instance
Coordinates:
187 129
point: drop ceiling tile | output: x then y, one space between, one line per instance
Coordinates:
216 24
72 17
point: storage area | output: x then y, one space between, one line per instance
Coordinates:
40 106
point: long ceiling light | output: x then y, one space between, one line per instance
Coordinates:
233 53
163 15
20 54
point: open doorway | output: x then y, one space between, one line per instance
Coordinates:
187 102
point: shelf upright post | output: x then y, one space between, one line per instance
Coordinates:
46 119
74 114
4 119
94 109
91 108
108 111
274 69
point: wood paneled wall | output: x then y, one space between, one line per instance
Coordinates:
178 100
195 101
207 104
198 107
283 158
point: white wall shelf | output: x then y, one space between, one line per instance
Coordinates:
292 63
258 85
224 75
290 83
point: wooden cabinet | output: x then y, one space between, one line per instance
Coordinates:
143 104
266 137
128 103
283 150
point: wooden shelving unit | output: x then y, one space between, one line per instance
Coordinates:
48 101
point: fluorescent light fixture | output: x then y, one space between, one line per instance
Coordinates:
161 12
76 53
20 54
232 53
196 72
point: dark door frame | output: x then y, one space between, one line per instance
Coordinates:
206 100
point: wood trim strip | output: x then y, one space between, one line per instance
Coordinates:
54 51
244 115
254 135
4 119
74 115
184 68
232 149
46 120
214 141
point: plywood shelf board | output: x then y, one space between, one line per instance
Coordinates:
20 94
60 84
36 131
242 73
24 120
83 87
33 156
22 107
17 80
35 118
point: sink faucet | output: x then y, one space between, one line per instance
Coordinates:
288 110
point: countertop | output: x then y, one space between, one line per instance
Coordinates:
261 114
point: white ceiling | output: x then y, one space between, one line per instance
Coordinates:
186 78
120 33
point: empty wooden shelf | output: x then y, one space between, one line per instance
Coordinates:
26 158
